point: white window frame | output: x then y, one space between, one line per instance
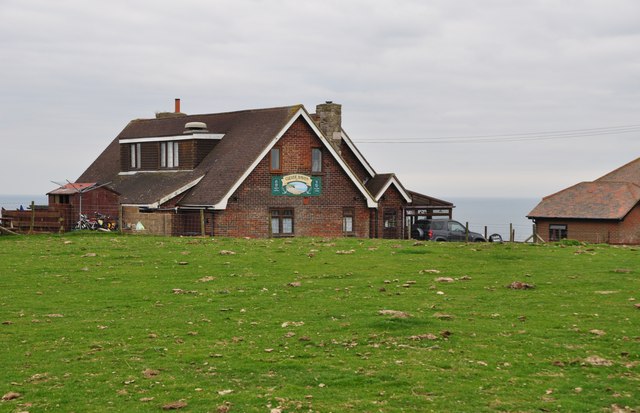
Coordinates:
135 155
169 154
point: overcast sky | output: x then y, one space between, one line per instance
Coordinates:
411 75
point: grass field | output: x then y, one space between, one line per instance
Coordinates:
104 323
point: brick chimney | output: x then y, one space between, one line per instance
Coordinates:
329 117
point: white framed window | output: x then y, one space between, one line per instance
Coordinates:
282 222
136 156
347 220
169 154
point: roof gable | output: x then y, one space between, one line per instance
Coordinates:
195 199
379 184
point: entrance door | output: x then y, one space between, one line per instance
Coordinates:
390 223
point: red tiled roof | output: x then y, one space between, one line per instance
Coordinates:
71 188
611 196
590 200
626 173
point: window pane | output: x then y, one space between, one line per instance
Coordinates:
456 227
138 155
347 224
163 155
176 154
275 159
169 155
287 225
132 149
390 219
275 225
316 160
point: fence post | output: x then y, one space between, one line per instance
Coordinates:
485 232
534 235
466 231
511 233
120 211
202 229
33 217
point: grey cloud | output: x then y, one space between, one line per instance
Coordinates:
75 72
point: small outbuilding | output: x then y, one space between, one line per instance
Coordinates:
89 199
606 210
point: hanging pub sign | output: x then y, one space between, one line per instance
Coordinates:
296 185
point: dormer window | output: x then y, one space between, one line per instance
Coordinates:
169 154
163 153
136 157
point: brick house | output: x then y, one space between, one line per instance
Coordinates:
254 173
606 210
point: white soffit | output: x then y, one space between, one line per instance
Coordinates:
199 136
393 180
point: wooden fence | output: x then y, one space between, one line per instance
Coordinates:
33 220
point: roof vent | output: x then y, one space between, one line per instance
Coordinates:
195 127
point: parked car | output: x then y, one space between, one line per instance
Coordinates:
443 230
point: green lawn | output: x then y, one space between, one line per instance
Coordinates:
100 322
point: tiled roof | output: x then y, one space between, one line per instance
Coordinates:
72 188
246 134
626 173
377 183
590 200
611 196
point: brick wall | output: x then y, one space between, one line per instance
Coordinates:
391 201
598 231
248 211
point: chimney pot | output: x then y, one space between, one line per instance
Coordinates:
177 109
